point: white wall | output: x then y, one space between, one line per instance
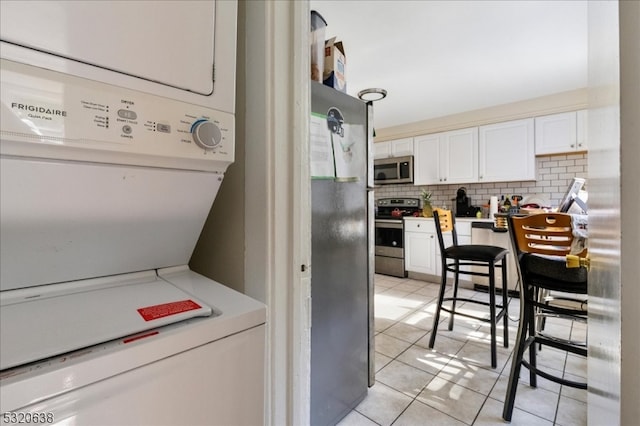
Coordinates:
276 195
551 104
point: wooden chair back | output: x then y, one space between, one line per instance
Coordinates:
445 219
543 233
445 222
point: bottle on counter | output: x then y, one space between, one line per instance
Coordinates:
507 204
515 207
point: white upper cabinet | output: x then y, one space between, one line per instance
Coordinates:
582 123
459 154
507 151
401 147
426 160
500 152
561 133
394 148
448 157
381 150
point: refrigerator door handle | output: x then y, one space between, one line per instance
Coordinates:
371 244
370 184
371 283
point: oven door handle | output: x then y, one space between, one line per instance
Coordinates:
389 223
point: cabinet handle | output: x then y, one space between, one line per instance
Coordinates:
431 236
418 225
445 179
579 144
481 177
572 145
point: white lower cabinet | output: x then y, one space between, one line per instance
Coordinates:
422 251
420 246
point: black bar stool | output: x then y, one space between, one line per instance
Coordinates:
541 242
456 256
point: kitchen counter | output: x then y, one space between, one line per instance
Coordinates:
458 219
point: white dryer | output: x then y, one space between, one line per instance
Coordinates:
115 134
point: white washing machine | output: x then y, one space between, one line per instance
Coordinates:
115 134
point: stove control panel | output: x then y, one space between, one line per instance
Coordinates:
396 208
398 202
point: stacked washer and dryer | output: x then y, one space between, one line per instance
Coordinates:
116 128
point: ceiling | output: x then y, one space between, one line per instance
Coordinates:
437 58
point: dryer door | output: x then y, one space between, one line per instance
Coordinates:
173 43
153 41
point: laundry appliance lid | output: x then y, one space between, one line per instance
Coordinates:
41 322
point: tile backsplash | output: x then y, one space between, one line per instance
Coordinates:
554 173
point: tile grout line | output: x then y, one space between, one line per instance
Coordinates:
415 398
450 358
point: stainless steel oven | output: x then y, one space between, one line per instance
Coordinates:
389 233
390 247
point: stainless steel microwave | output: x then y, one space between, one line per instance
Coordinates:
393 170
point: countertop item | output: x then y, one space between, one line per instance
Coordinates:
538 199
493 205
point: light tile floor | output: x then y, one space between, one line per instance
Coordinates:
454 384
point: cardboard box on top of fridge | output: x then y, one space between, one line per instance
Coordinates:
334 65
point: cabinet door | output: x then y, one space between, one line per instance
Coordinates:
459 152
507 151
419 252
556 133
382 150
426 160
401 147
582 125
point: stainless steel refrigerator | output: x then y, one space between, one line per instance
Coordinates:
342 266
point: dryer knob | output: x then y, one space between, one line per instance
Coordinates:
206 134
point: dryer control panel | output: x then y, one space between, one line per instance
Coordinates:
48 114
